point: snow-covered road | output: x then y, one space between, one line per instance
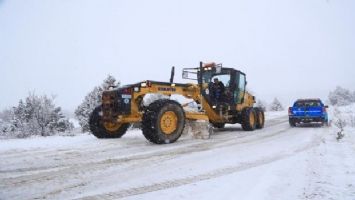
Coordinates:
277 162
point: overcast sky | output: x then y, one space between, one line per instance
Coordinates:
288 49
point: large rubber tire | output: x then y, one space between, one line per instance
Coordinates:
97 128
248 119
152 122
218 125
292 122
260 118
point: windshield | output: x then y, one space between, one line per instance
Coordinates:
308 103
224 78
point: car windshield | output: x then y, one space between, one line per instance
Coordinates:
308 103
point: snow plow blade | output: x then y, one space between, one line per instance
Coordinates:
198 129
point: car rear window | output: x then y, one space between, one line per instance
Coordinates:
308 103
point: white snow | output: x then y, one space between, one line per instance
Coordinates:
75 122
277 162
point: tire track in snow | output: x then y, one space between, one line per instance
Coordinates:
60 171
79 169
202 177
180 147
175 154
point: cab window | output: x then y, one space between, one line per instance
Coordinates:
240 91
224 78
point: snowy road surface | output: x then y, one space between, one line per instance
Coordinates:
277 162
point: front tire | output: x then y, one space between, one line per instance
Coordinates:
163 121
101 130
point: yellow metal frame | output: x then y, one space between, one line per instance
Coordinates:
192 91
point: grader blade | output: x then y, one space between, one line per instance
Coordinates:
198 129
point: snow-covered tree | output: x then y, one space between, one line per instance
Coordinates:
6 117
276 105
37 115
261 104
110 81
91 101
83 111
340 122
340 96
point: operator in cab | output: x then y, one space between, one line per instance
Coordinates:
217 90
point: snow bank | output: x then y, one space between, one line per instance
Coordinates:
345 112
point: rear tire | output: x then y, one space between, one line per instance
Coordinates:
163 121
260 118
248 119
98 129
292 122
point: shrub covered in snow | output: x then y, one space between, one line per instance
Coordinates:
36 115
91 101
346 113
339 122
339 119
341 96
6 128
276 105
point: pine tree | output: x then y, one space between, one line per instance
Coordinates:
19 118
92 100
276 105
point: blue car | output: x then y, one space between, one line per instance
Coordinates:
308 111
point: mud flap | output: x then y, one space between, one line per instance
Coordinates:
199 129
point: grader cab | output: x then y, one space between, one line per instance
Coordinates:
163 121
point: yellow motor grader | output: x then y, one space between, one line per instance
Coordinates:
163 120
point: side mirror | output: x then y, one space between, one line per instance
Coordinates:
326 106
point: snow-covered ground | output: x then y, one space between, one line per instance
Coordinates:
277 162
